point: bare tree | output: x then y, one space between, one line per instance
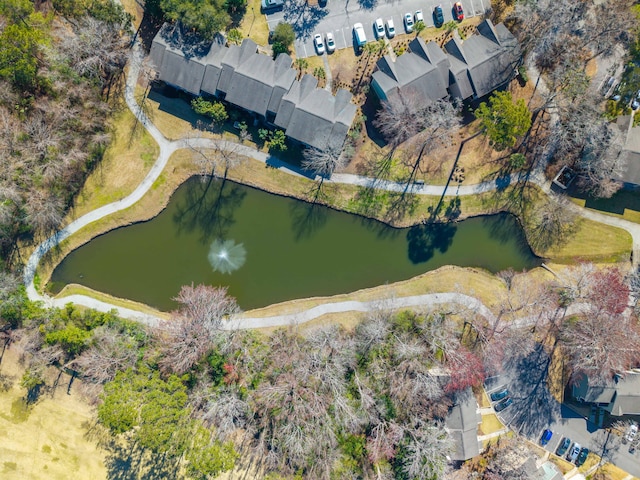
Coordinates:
194 327
324 162
424 125
109 353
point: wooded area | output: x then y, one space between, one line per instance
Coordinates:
59 75
324 403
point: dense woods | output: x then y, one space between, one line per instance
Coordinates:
58 73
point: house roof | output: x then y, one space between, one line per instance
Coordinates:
476 66
255 77
181 60
622 395
629 160
462 423
593 393
411 72
490 56
315 117
627 400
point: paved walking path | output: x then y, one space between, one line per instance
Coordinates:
168 147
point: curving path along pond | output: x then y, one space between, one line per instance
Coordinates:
167 148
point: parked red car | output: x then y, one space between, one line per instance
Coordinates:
457 10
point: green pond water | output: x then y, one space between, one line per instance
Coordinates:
284 248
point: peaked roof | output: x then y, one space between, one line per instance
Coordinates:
255 76
627 401
476 66
490 56
257 83
417 71
181 60
315 117
462 423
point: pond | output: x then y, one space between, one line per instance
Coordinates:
266 249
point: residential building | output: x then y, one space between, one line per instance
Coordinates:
465 69
628 170
256 83
619 397
462 425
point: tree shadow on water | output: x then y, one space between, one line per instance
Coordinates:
209 207
307 218
425 239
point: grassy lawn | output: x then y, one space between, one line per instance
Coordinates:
614 473
126 162
483 399
49 440
254 23
563 465
490 423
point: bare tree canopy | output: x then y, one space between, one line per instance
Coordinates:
324 162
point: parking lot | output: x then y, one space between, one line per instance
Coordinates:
534 409
339 16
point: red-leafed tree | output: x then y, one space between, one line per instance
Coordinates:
465 370
609 293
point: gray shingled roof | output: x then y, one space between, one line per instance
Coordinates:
315 117
410 72
492 56
476 66
462 423
181 61
257 83
255 76
627 401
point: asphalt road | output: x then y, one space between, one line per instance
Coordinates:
339 16
535 409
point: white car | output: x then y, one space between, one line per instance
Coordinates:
631 433
391 28
360 37
331 43
318 43
408 22
419 16
378 26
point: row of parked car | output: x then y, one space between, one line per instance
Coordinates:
572 452
502 399
388 29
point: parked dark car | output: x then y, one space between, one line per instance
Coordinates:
499 395
546 436
582 456
438 16
503 404
563 447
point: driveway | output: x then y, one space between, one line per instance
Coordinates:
339 16
534 409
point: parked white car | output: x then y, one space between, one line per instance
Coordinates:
419 16
378 26
632 432
331 43
408 22
391 28
318 43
